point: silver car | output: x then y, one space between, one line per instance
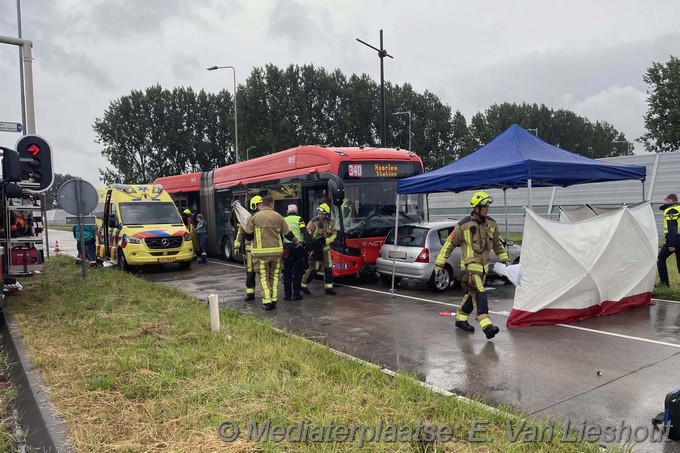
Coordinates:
416 253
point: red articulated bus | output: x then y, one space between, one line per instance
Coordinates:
359 184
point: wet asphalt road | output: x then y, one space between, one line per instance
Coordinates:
547 371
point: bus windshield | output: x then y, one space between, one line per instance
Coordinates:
149 213
368 209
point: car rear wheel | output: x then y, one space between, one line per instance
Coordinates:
387 280
441 283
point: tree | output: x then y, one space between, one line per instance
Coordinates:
51 201
662 119
160 132
562 128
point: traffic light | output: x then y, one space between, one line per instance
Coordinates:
11 165
36 162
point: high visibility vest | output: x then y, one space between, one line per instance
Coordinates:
671 214
293 222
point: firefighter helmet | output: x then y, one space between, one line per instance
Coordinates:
254 202
480 199
323 207
186 212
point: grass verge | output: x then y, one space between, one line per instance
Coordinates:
133 366
8 394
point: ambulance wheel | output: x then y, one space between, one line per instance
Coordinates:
227 250
122 262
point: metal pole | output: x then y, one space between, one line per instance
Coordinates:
21 71
212 68
529 186
382 93
235 114
382 53
28 71
505 203
409 129
552 200
396 235
83 252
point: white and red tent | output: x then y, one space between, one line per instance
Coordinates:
593 267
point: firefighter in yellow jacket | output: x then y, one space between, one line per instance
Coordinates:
322 232
476 234
265 229
255 205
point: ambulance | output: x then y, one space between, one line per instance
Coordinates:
139 225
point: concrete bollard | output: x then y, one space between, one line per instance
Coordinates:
214 313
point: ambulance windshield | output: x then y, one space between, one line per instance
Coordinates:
149 213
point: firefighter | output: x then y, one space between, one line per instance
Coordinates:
322 232
671 213
265 229
476 234
295 260
255 206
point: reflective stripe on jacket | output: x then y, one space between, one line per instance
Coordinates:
267 226
322 229
476 239
670 224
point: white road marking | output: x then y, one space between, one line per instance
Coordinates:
505 313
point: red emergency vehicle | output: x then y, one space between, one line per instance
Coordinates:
364 214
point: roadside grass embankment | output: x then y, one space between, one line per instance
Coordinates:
133 366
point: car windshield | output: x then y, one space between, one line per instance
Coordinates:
149 213
409 235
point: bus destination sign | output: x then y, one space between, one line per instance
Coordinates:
378 170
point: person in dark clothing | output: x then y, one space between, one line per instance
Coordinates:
295 259
671 213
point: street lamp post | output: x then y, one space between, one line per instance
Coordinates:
212 68
382 53
629 144
247 151
535 130
408 112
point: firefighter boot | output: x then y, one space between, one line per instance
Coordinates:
462 322
304 290
487 326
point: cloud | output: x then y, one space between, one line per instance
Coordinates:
296 23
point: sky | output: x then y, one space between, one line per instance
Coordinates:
588 56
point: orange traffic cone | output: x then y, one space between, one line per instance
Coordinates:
56 247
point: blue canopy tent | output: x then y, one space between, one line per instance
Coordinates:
517 158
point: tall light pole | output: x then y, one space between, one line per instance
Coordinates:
408 112
629 144
382 53
248 150
212 68
535 131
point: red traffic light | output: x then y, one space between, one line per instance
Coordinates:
34 149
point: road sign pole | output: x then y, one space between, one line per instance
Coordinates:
83 253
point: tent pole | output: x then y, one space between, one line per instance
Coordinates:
396 235
552 200
505 203
529 186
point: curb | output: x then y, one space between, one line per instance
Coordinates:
45 430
